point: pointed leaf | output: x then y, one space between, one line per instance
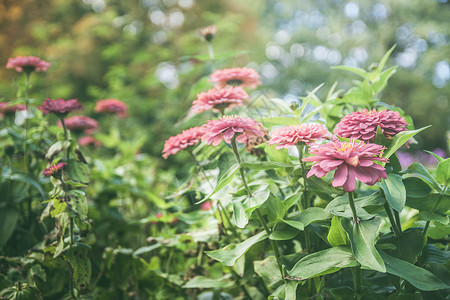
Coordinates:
399 139
361 72
77 259
269 271
265 165
203 282
239 216
421 171
231 253
224 181
395 191
362 237
8 219
418 277
443 172
336 235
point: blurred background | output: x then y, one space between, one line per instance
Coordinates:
148 53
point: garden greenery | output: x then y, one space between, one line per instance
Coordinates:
284 200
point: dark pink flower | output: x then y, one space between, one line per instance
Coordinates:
243 77
352 160
89 140
7 109
363 125
226 127
289 136
206 205
27 63
219 99
80 123
54 170
60 107
112 106
186 138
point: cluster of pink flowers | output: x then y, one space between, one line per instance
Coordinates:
244 77
112 106
186 138
352 160
219 99
7 109
60 107
289 136
54 170
363 125
27 63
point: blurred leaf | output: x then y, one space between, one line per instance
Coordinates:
223 181
28 180
202 282
264 165
56 148
443 172
8 220
438 158
357 71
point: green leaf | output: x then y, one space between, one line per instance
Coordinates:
323 262
384 59
433 255
380 139
202 282
231 253
433 216
308 216
422 172
394 190
256 200
283 232
269 271
239 216
265 165
336 235
146 249
416 187
223 181
399 139
8 220
56 148
438 158
77 259
357 71
292 200
382 79
427 203
76 171
28 180
58 207
78 204
420 278
362 237
275 209
443 172
277 121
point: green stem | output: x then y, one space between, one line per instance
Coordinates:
391 219
66 137
351 201
27 86
397 220
357 281
300 149
241 170
71 231
238 280
211 54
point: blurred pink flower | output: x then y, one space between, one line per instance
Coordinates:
186 138
226 127
208 32
27 63
363 125
289 136
206 205
112 106
60 107
352 160
89 140
54 170
219 99
7 109
80 123
243 77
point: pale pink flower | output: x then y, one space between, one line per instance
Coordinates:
186 138
112 106
89 140
80 124
60 107
289 136
206 205
243 77
27 63
352 160
363 125
219 99
226 127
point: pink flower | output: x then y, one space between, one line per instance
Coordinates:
353 161
289 136
227 126
181 141
60 107
7 109
80 123
54 170
27 63
89 140
208 32
363 125
219 99
112 106
206 205
243 77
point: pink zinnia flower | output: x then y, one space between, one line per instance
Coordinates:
206 205
89 140
352 160
112 106
27 64
363 125
243 77
80 123
60 107
7 109
227 126
289 136
186 138
54 170
219 99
